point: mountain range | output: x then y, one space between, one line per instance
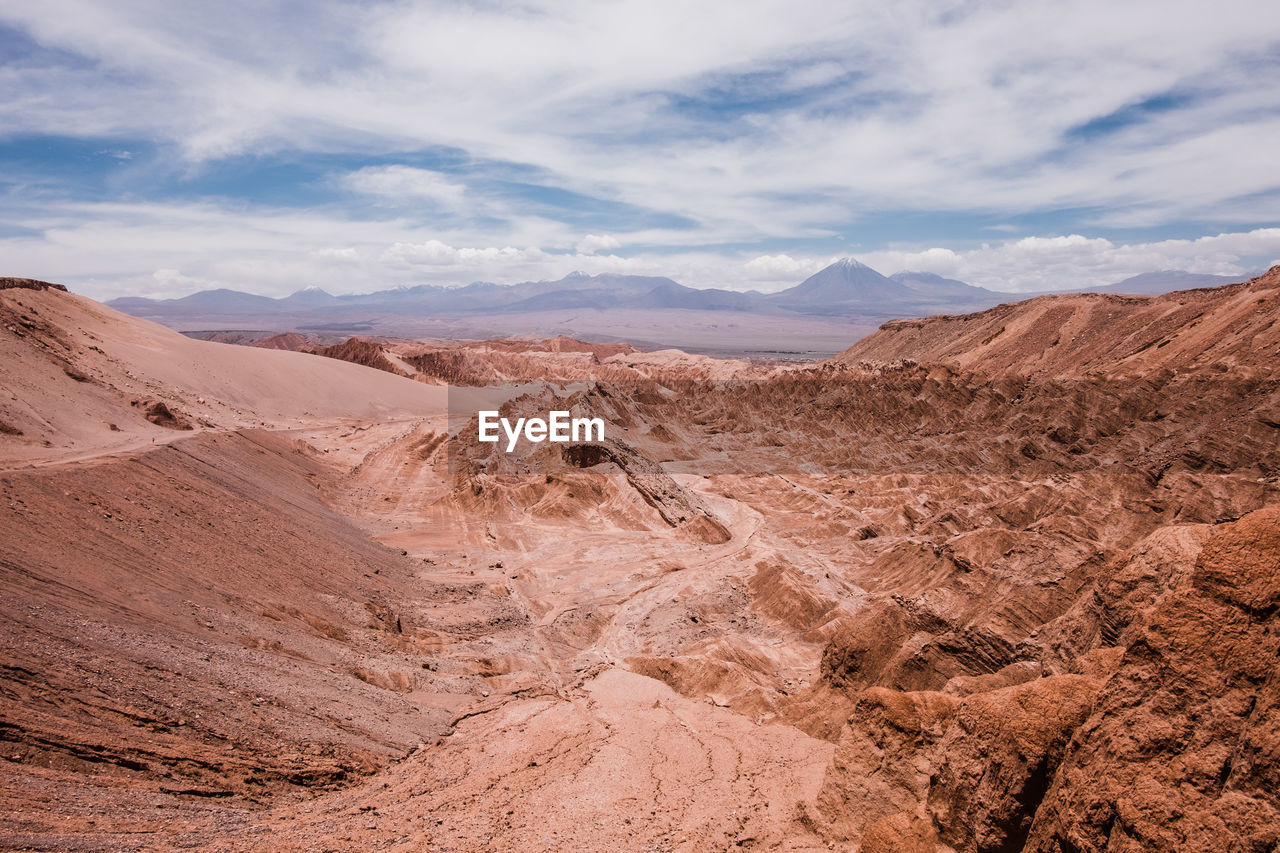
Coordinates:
818 316
576 290
846 287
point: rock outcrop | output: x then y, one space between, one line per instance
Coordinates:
9 283
1182 751
1166 742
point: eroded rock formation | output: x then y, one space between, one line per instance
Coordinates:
913 601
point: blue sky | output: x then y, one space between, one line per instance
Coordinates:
156 148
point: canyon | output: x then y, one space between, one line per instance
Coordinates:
980 582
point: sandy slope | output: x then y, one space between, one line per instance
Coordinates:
69 368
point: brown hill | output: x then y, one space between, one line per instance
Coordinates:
288 340
1089 333
503 360
359 351
81 378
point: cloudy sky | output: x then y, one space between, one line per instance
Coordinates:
158 148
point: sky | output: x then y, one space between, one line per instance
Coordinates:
161 148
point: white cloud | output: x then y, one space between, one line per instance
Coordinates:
172 282
403 183
593 243
108 250
1073 261
436 253
431 252
776 272
837 109
347 255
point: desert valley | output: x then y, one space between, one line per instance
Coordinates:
995 581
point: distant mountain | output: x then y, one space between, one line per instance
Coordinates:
574 291
1166 281
932 284
847 282
850 287
948 294
678 296
428 297
847 290
594 297
217 301
310 297
930 281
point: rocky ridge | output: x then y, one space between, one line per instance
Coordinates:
1210 329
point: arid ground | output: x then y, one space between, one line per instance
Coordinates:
998 582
